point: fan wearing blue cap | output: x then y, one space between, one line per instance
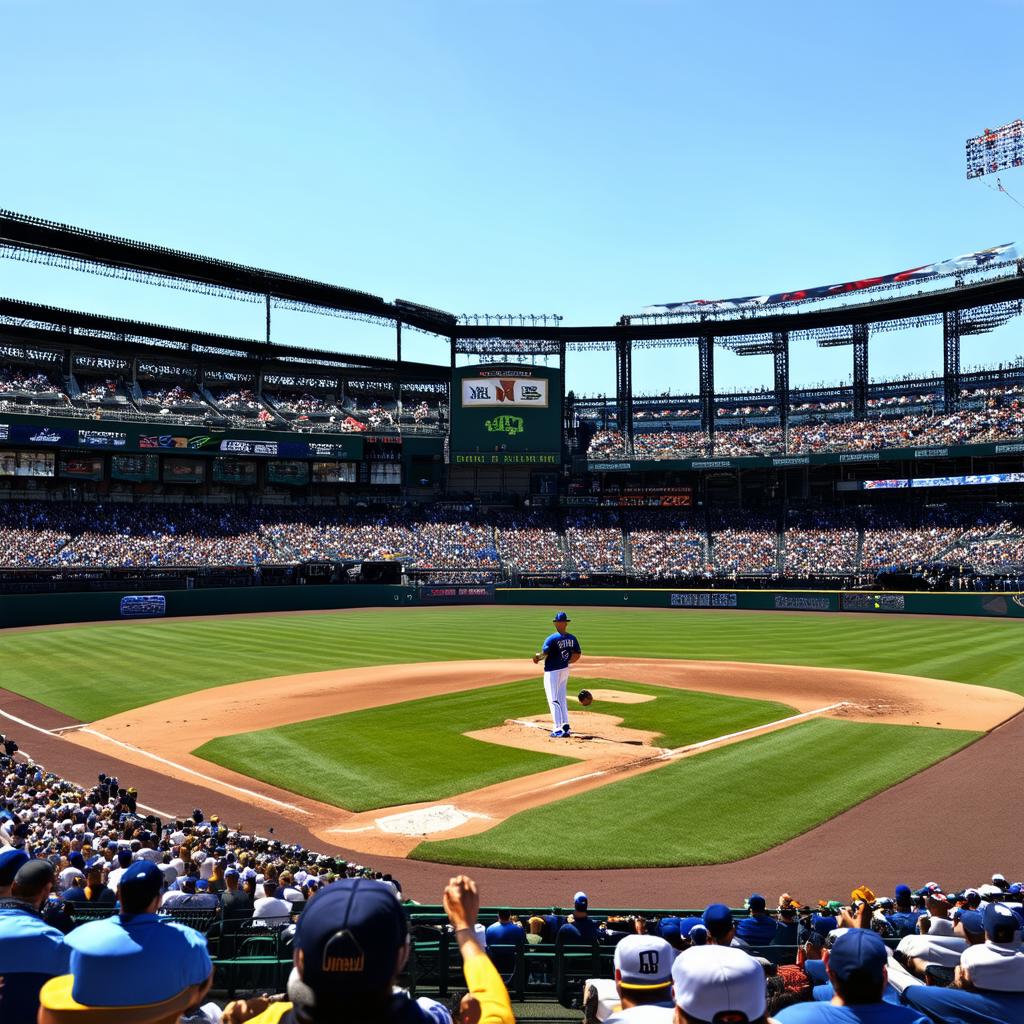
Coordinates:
351 943
560 650
858 969
31 951
759 929
132 967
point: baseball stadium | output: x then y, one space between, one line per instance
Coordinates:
277 618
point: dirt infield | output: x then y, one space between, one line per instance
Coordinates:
161 736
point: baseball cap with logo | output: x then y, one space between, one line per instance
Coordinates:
141 882
351 936
1000 923
721 984
643 962
561 617
580 901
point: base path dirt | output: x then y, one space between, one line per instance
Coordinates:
161 736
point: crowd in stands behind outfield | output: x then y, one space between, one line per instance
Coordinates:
744 543
651 544
667 543
594 541
999 416
14 379
109 913
528 542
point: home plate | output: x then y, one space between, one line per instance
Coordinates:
439 818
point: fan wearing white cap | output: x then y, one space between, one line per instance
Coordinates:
719 985
643 980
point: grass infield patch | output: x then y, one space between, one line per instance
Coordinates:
416 750
719 806
91 672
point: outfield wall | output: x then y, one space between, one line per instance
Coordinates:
879 602
44 609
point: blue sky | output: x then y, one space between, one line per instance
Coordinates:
582 158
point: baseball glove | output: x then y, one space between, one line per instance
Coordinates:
585 697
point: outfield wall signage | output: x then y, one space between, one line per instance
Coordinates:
803 603
143 606
436 594
703 599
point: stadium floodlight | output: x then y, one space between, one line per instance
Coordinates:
996 149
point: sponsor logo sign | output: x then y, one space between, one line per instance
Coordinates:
861 602
713 464
249 447
173 441
931 453
793 460
703 599
801 603
3 431
511 425
859 457
102 439
138 606
1009 449
504 391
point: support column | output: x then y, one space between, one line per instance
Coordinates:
951 359
780 351
268 317
624 389
706 352
860 371
398 341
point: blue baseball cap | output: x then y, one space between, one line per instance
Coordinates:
687 924
973 921
351 934
76 860
902 893
10 861
1000 923
858 951
142 881
124 856
561 617
716 914
756 901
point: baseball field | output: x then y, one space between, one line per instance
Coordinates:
421 732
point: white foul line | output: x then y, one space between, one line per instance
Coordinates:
28 725
198 775
679 751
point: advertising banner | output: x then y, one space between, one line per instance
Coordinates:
143 606
476 594
703 599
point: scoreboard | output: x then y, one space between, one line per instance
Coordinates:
506 415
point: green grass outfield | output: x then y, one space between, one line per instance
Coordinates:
91 672
720 806
339 759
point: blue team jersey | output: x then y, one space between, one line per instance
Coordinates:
557 649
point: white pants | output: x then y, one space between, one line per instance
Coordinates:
554 689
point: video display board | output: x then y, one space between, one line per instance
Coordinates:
506 414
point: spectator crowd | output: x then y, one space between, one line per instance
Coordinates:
663 543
